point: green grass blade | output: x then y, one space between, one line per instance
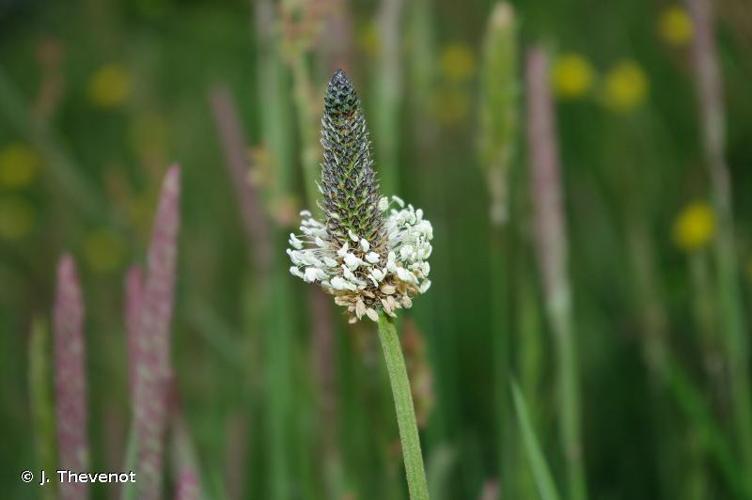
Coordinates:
42 411
543 479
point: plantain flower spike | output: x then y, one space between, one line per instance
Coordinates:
370 252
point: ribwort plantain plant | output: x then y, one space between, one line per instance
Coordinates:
371 257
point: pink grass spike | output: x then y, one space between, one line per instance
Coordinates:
187 487
187 478
70 377
153 370
134 290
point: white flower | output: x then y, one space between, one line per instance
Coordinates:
372 258
295 242
363 277
352 261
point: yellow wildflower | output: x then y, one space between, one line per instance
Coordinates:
675 26
19 165
110 86
626 87
16 218
457 62
104 250
572 76
695 226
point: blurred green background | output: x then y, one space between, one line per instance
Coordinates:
98 97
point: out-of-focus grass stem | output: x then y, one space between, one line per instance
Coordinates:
388 81
269 292
712 438
42 408
273 82
298 50
712 119
654 342
498 144
704 311
278 335
551 236
232 137
543 479
296 46
185 466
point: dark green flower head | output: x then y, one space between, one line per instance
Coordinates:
348 181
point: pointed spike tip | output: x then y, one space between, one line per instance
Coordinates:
340 79
341 97
66 269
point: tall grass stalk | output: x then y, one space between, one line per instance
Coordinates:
422 70
299 50
712 118
298 44
654 343
403 403
498 144
388 92
703 293
70 378
499 113
134 291
247 196
274 86
42 406
435 310
258 232
152 364
551 239
185 466
529 355
273 93
713 440
543 479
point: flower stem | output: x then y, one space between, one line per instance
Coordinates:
403 403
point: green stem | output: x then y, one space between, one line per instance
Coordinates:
403 404
561 319
709 81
